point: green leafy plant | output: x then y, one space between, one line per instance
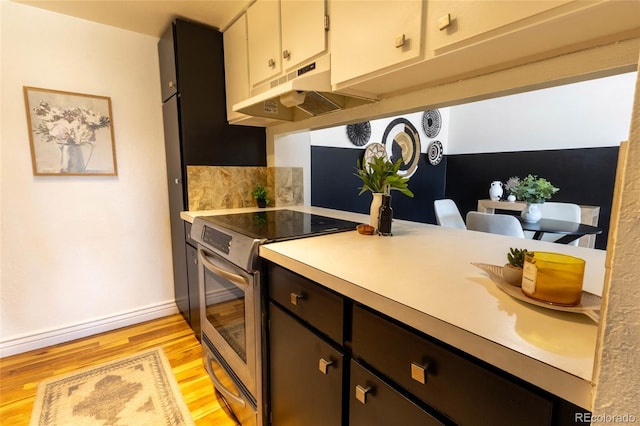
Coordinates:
533 189
260 193
381 175
516 257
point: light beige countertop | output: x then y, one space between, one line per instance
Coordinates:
423 277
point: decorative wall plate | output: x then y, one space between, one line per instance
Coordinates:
402 141
431 122
434 153
359 133
374 149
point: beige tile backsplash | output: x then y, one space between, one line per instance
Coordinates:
214 187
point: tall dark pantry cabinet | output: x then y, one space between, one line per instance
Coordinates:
196 133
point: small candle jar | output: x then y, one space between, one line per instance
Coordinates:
553 277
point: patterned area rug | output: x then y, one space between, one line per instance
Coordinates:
136 390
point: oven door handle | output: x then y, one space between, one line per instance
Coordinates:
218 385
234 278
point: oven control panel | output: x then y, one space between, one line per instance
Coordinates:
216 239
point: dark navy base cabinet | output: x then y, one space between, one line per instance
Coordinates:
332 361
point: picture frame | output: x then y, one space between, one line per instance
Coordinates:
71 134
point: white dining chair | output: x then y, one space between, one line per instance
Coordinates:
559 211
502 224
447 214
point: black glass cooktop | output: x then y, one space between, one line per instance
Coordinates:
279 225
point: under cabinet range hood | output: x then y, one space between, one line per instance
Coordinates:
300 94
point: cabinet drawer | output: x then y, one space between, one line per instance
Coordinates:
461 389
314 304
373 402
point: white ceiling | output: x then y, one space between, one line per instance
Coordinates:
149 17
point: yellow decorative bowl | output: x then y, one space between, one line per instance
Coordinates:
553 277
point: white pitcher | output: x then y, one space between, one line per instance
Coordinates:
495 190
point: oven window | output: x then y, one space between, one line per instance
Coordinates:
225 311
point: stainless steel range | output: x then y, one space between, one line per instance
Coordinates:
231 299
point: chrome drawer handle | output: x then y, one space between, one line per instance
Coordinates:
419 372
323 365
219 386
361 393
295 297
234 278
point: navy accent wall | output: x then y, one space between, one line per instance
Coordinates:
334 185
585 176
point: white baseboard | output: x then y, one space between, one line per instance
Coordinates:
41 339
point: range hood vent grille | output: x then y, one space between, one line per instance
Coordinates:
306 89
317 104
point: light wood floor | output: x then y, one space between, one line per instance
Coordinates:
20 374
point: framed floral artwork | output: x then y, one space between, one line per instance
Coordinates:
71 134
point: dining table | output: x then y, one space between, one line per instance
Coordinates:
570 231
589 215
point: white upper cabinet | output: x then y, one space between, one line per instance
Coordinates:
303 31
236 66
263 19
463 39
452 22
282 35
373 36
236 72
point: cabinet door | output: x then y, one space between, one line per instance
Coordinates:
236 65
461 389
470 20
263 26
176 203
306 374
303 31
367 37
193 289
167 59
374 402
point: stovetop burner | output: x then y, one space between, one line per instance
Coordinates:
280 225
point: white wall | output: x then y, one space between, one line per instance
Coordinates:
337 136
593 113
81 254
617 365
294 149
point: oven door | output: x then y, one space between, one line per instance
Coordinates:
229 313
